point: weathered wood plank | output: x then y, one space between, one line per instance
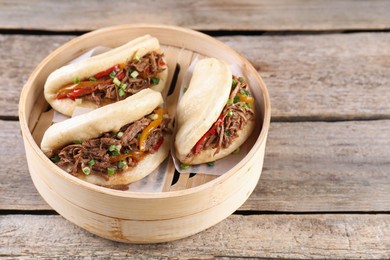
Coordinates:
268 236
17 190
339 166
309 167
322 76
202 15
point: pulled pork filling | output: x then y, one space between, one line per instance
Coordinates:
237 112
113 153
117 82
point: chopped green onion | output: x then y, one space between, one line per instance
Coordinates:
184 166
242 105
230 101
236 99
112 147
118 147
230 113
237 150
153 116
120 134
210 164
76 80
121 92
116 81
249 105
91 162
121 164
127 151
155 81
112 74
92 79
227 132
241 79
234 83
244 92
134 74
136 57
86 170
138 136
110 170
77 142
123 86
55 159
185 89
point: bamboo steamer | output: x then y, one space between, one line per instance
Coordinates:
190 205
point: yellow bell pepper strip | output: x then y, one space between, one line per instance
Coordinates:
74 91
246 99
154 124
136 155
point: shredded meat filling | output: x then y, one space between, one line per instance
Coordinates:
112 153
146 68
235 115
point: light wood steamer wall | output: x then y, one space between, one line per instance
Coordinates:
188 207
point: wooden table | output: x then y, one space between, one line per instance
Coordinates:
325 187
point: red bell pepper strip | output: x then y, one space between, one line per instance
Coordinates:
106 72
80 92
67 91
158 145
120 75
209 133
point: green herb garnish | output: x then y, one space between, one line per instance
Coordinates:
91 162
55 159
234 83
92 79
134 74
155 81
210 164
184 166
121 164
110 170
86 170
76 80
121 92
116 81
112 74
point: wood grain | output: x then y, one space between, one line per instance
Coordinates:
258 236
308 167
321 77
265 15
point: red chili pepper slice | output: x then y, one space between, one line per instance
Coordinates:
210 132
80 92
158 145
106 72
120 75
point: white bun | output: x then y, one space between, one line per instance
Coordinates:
209 154
105 119
90 66
202 103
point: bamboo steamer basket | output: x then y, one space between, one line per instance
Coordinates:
186 207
